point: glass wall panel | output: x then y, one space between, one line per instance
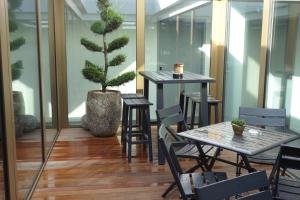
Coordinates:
79 17
26 96
177 31
243 56
50 110
283 77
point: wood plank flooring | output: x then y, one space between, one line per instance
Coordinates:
82 166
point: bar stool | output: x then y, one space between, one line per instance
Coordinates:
143 134
129 96
212 102
187 99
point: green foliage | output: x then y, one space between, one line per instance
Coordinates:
14 4
119 59
17 67
98 28
238 122
94 74
124 78
90 64
117 43
103 4
90 45
111 21
12 26
17 43
16 70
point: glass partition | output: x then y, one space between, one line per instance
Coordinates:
26 95
283 72
243 56
50 110
79 16
177 31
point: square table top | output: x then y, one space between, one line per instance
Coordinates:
159 77
222 135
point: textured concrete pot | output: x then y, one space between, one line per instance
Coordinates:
103 111
19 105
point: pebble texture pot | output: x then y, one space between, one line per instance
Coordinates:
103 111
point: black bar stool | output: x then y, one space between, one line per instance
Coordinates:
187 99
143 134
212 102
130 96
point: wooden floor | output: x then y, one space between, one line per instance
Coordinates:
84 167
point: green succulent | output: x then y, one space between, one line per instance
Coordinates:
239 122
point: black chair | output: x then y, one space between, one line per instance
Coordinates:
173 116
266 118
235 187
143 135
283 185
186 182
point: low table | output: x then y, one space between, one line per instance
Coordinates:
248 144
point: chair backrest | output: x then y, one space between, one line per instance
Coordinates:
263 117
288 158
172 116
232 187
166 143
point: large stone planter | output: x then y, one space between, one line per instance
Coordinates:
19 105
103 111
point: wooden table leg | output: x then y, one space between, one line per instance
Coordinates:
159 105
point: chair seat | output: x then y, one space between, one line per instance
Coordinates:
288 188
190 181
267 157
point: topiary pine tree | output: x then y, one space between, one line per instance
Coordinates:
17 67
110 21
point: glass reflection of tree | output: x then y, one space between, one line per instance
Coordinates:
15 44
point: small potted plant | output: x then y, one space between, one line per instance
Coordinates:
238 126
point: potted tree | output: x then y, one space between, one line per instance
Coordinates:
238 126
103 107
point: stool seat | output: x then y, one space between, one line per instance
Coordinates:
210 99
192 94
131 96
137 102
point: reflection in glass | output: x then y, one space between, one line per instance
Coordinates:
2 180
49 91
26 96
283 77
243 56
79 18
178 31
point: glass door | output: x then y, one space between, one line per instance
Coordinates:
283 71
243 56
